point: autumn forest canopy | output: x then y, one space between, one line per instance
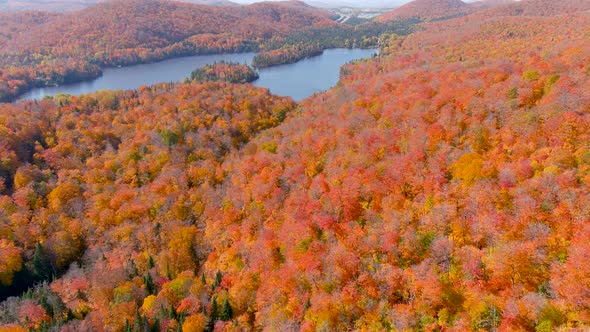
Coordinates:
440 186
44 49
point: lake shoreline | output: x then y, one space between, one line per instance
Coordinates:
178 68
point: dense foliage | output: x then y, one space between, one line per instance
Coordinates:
441 186
361 36
71 5
44 5
225 72
438 10
113 176
428 10
41 49
300 45
286 54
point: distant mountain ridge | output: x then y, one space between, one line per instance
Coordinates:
428 10
541 8
212 2
72 5
44 5
118 32
145 23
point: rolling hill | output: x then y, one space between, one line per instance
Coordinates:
44 5
442 185
59 48
213 2
427 10
73 5
431 10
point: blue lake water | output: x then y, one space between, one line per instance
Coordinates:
298 80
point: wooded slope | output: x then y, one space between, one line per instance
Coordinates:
44 49
442 185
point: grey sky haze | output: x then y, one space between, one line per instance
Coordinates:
356 3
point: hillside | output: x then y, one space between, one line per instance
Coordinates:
541 8
44 5
427 10
156 24
74 46
449 193
432 10
213 2
442 185
73 5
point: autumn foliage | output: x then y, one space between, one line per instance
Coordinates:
443 185
428 10
287 54
41 49
225 72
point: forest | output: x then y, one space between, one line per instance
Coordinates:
286 54
300 45
151 157
225 72
41 49
46 49
441 186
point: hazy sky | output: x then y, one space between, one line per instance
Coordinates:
359 3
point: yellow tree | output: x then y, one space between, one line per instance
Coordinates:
10 261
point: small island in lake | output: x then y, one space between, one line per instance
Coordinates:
225 72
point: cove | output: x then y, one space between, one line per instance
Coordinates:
298 80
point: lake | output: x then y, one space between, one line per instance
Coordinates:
298 80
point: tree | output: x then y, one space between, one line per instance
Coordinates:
213 315
138 322
169 137
150 287
194 323
218 278
151 262
64 249
41 264
10 261
226 311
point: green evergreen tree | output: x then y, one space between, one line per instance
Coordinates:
226 311
213 316
150 286
46 306
151 263
69 315
41 265
127 326
137 325
171 312
218 277
156 325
